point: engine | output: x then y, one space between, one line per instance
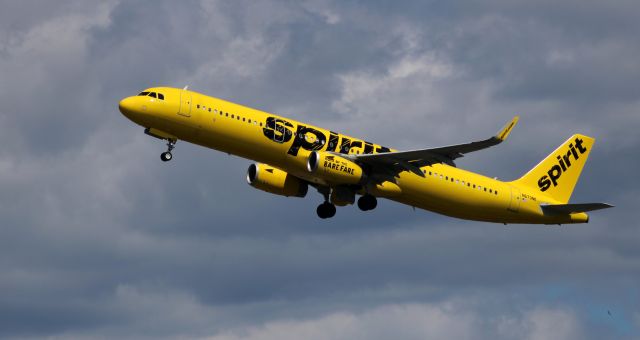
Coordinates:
275 181
334 169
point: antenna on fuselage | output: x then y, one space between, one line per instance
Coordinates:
186 87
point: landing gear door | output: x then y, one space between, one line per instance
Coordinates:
516 197
185 104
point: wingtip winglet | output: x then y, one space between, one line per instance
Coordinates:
504 133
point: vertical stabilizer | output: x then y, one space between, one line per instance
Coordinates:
557 175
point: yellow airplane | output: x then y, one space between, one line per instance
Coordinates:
290 156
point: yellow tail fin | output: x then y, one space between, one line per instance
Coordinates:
557 175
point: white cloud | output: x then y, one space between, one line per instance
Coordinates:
445 320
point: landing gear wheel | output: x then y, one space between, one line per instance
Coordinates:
326 210
367 202
166 156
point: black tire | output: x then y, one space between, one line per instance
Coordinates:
326 210
321 211
331 210
166 156
367 202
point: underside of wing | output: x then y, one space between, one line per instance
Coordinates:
391 163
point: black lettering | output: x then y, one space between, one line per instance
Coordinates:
581 148
276 130
355 144
554 173
346 145
301 141
382 149
567 159
544 183
574 152
561 163
368 148
333 141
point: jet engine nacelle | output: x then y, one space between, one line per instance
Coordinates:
334 169
275 181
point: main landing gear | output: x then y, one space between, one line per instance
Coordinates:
167 156
326 210
367 202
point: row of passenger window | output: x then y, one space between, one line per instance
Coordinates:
152 94
227 114
463 183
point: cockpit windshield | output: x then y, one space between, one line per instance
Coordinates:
152 94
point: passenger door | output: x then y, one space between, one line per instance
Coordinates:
185 103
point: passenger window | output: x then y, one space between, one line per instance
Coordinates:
231 116
209 109
152 94
160 96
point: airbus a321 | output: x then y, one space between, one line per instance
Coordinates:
290 156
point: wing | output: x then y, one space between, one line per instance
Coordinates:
390 163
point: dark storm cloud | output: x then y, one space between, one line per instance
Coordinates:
99 239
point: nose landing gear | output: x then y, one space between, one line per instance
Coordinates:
167 156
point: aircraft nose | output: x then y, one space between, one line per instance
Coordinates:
126 106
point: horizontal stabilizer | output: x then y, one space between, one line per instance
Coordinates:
574 208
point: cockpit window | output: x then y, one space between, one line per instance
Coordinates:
152 94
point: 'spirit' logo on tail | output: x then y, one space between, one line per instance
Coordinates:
564 163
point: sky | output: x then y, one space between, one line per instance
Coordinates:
100 239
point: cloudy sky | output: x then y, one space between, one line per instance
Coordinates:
100 239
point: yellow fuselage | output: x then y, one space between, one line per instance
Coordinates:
268 138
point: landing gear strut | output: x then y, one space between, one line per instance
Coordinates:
167 156
367 202
326 209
